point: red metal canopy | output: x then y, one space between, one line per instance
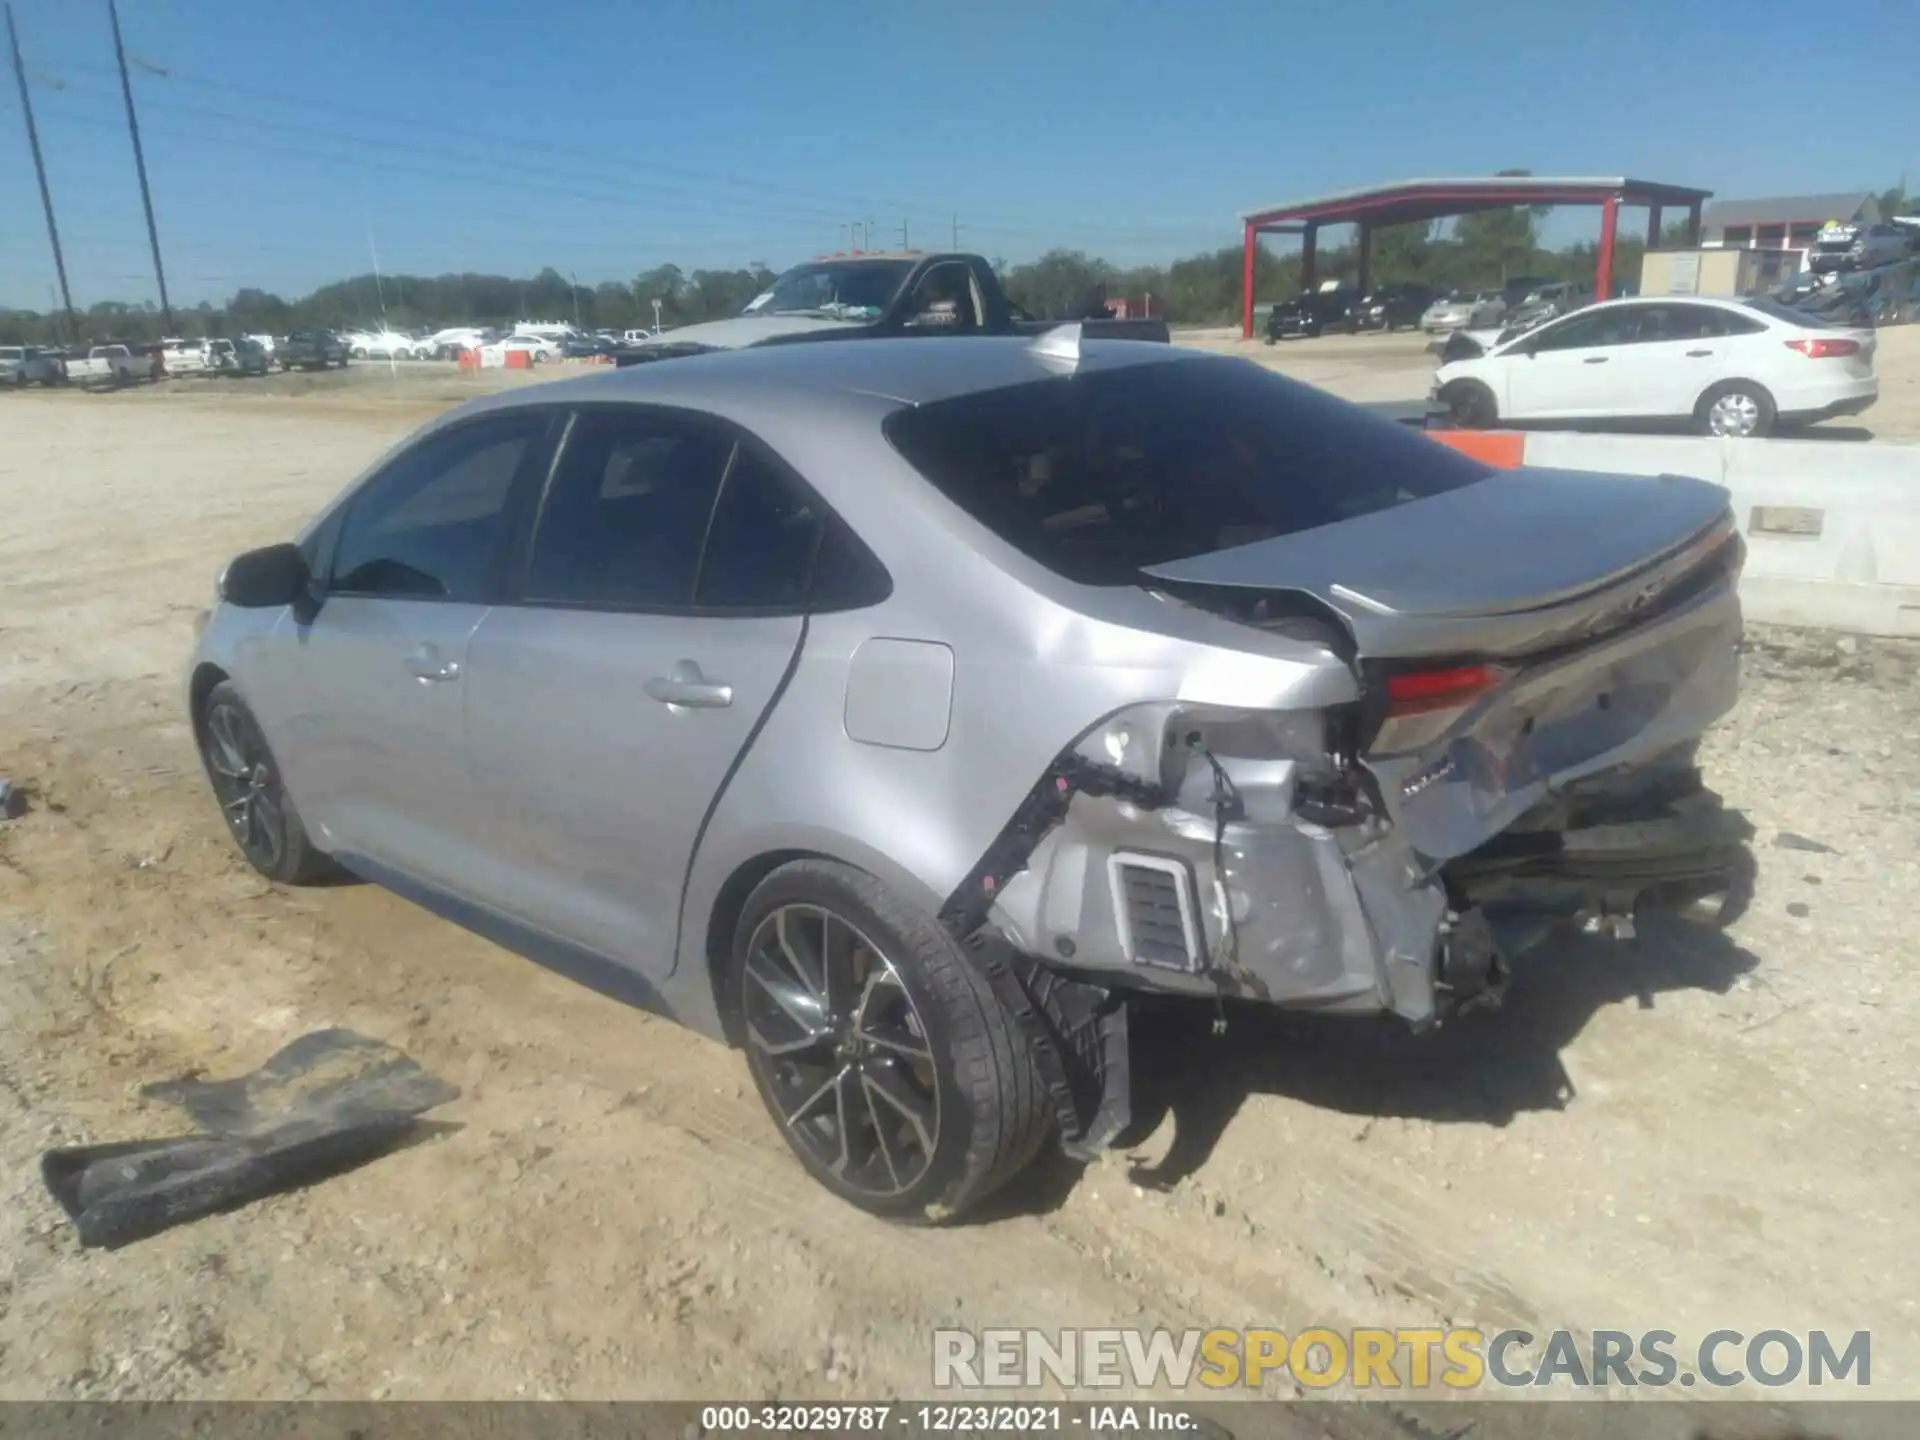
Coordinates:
1406 202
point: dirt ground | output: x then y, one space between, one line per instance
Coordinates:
1680 1133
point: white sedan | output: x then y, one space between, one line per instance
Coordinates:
536 348
380 345
1729 367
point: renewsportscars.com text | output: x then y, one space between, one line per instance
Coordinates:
1395 1359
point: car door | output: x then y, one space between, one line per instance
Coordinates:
1567 368
659 609
1673 350
365 705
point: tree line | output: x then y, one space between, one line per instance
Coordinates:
1476 251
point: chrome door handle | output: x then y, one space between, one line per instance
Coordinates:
687 687
426 666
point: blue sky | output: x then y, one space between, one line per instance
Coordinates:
602 139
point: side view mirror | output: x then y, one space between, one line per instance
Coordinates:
265 579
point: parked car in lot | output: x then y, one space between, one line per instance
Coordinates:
901 712
380 345
23 365
311 350
110 365
1729 367
1464 310
1548 302
448 343
1309 314
1858 247
1390 308
238 356
537 348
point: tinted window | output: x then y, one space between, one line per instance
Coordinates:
627 512
429 526
1101 474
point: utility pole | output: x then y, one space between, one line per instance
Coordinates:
956 229
140 164
40 170
905 244
573 288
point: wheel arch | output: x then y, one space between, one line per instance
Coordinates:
720 914
1728 382
206 675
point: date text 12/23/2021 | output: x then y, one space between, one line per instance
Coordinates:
947 1419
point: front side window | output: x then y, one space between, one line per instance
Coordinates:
1103 474
1583 331
430 526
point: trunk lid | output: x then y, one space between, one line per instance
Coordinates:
1514 562
1557 624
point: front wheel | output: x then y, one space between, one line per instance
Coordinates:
1738 409
1470 405
893 1072
253 797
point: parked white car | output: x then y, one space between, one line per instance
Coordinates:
1729 367
380 345
1464 310
537 349
109 365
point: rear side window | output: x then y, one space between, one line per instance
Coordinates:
430 526
1103 474
627 512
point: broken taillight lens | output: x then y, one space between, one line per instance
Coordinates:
1419 692
1825 349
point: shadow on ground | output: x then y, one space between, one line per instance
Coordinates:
1482 1068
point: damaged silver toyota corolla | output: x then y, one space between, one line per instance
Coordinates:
898 711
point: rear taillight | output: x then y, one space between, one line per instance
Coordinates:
1824 349
1418 692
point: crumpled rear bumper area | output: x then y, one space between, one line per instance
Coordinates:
1278 910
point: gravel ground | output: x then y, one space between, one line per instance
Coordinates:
1682 1133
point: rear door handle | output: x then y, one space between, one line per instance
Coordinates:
686 686
427 665
1698 354
1595 360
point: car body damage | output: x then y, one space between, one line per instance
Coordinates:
1388 855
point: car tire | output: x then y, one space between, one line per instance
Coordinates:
897 1027
247 782
1738 409
1470 405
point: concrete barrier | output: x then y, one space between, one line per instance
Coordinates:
1832 527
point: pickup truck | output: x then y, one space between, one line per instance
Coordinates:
311 350
22 365
110 365
850 297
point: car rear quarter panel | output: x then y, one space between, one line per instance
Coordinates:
1037 663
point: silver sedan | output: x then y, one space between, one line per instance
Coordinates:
903 712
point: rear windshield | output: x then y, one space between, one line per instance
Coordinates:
1103 474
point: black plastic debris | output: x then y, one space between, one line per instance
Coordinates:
13 801
327 1102
1787 840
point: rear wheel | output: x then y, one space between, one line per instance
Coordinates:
260 814
893 1072
1470 405
1736 408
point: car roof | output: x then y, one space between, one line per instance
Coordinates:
910 371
